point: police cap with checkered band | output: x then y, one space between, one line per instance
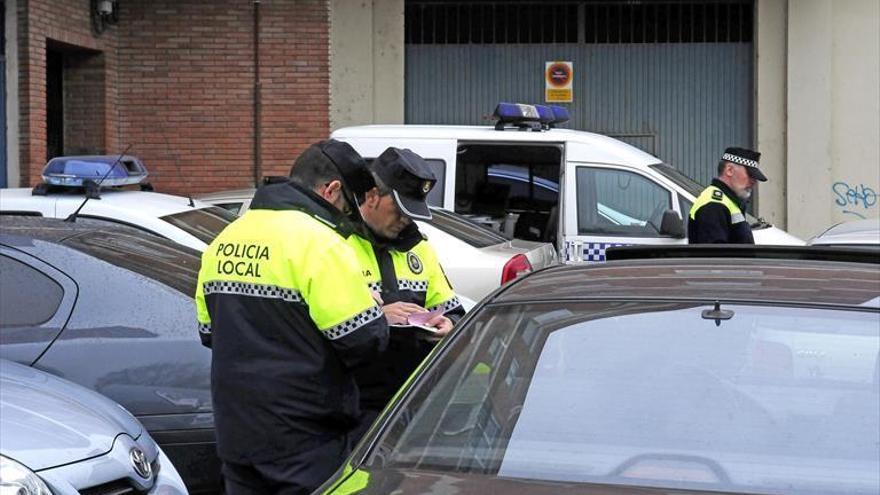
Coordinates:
748 159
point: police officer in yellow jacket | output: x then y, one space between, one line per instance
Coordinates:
718 214
400 265
282 303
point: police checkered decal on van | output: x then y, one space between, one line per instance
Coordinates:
595 251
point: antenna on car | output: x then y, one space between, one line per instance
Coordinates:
176 159
95 186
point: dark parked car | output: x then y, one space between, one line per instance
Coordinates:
738 374
111 308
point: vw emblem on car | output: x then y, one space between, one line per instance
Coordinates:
140 463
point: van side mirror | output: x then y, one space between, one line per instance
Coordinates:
671 225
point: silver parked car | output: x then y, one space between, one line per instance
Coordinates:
853 233
59 438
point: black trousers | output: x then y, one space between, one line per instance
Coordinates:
300 474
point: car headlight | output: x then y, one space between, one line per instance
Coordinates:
16 479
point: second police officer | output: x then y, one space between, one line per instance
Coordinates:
402 267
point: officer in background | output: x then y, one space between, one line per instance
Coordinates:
282 303
402 267
718 214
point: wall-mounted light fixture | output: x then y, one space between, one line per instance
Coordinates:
103 13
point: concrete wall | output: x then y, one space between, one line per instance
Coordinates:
366 62
833 104
770 86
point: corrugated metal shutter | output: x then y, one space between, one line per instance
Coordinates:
683 102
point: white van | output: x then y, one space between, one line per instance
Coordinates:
509 177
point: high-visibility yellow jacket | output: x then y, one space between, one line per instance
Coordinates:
405 269
282 302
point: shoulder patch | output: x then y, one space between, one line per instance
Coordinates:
717 194
415 264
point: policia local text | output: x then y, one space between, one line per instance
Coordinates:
246 259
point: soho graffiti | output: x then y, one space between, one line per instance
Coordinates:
854 199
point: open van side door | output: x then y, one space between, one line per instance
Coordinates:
614 205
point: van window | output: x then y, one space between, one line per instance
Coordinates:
513 186
619 202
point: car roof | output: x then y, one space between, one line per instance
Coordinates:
594 147
733 279
137 203
865 231
58 231
163 260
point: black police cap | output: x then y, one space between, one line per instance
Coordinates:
410 179
748 159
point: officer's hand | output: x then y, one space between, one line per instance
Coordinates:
441 323
398 313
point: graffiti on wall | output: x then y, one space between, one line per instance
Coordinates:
854 199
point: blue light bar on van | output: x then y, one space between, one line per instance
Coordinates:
560 115
536 117
512 113
74 171
545 114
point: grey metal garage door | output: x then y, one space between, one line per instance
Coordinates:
673 78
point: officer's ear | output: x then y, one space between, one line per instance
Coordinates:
372 197
332 193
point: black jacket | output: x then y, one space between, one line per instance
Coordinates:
712 222
286 339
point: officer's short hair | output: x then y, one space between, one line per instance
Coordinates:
381 186
313 168
721 166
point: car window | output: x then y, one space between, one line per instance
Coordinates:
435 196
468 231
774 399
234 208
27 296
203 223
168 263
619 202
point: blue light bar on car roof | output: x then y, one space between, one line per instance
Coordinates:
74 171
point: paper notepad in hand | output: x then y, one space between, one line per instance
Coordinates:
419 320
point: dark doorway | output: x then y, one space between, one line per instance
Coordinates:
54 104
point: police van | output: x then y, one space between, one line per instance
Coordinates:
581 191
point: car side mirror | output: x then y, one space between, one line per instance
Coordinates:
671 225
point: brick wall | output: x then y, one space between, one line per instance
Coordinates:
63 25
175 79
187 85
